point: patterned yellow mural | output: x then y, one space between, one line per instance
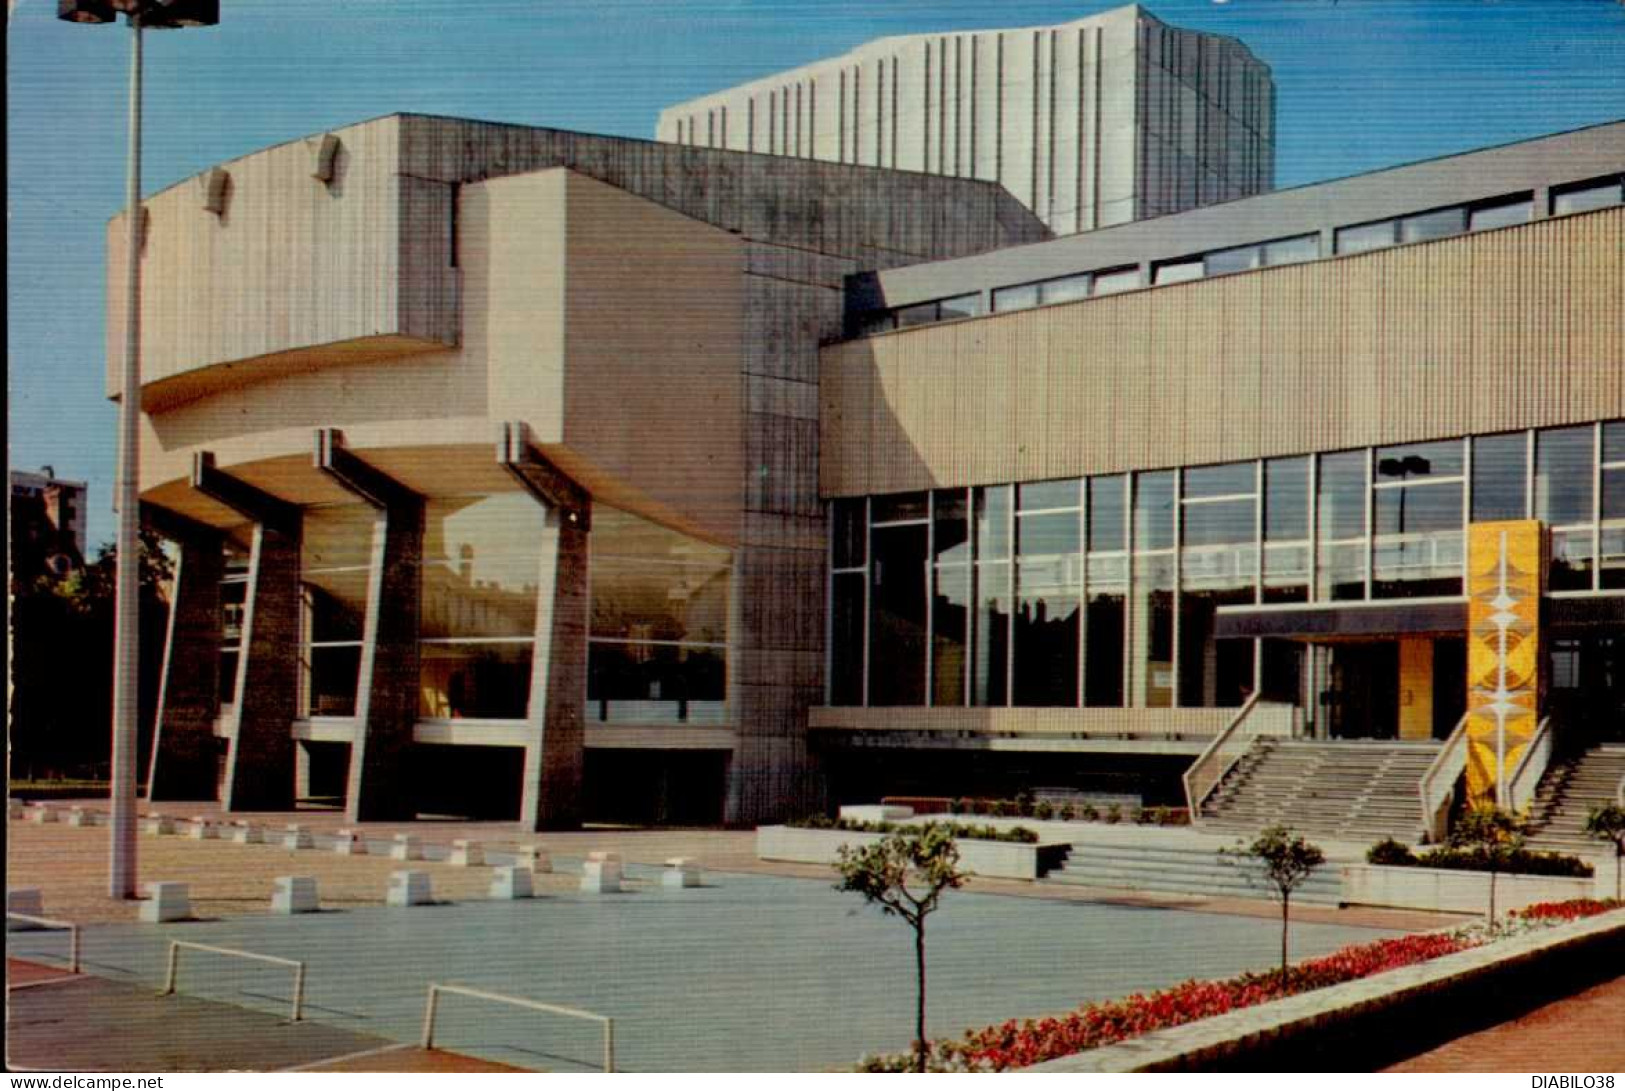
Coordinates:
1503 649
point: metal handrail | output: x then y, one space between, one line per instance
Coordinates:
1452 756
52 922
1211 765
435 989
1619 796
172 977
1519 793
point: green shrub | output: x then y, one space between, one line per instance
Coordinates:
1043 811
1114 814
1004 808
1067 812
1090 813
1018 835
957 806
1515 862
1390 853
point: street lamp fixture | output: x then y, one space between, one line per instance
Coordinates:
153 15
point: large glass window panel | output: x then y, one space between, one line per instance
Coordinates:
1107 513
1500 214
335 560
1419 541
1151 625
900 507
1563 463
961 306
1213 673
1613 441
1237 259
990 669
993 522
648 682
1017 297
951 539
1218 522
1047 494
897 633
474 679
1438 224
481 566
1048 586
1286 530
1293 250
846 639
920 314
1230 479
1116 280
1571 561
1611 565
1500 477
1105 620
950 633
1413 461
1065 289
233 603
1154 511
1613 493
1602 193
849 533
1363 237
1175 272
331 676
1341 526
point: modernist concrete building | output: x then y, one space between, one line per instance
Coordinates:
48 518
513 471
1094 122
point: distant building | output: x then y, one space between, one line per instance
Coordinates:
1089 123
47 522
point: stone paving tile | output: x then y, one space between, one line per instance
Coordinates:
1581 1034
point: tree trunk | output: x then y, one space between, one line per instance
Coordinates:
1619 862
1286 901
1492 895
919 1012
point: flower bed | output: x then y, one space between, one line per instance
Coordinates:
958 830
1016 1044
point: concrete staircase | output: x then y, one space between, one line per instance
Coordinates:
1194 870
1567 793
1349 790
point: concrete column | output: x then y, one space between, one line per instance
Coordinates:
183 746
558 686
260 758
387 691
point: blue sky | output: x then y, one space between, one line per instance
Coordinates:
1361 84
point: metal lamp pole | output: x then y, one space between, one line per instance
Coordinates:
159 14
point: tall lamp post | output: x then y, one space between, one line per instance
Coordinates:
149 15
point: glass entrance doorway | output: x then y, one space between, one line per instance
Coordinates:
1587 694
1359 698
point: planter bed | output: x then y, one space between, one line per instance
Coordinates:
993 859
1454 891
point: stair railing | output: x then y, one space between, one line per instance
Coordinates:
1530 768
1255 720
1437 787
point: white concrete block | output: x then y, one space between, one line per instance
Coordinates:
536 858
199 828
157 823
681 871
294 894
241 833
509 883
39 814
467 853
166 902
24 899
350 843
885 812
408 888
15 808
297 837
78 816
601 874
406 847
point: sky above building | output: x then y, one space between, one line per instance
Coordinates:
1360 85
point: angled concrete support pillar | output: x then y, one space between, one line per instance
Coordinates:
555 756
183 745
260 751
387 690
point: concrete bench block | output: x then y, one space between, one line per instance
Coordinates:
534 857
199 828
241 833
24 899
156 824
294 894
509 883
408 888
78 816
40 815
166 902
681 871
350 843
406 847
601 874
467 853
297 837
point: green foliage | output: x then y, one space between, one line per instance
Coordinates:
1090 813
1284 860
1607 823
1043 811
1390 853
964 831
1114 814
1067 813
1489 828
1512 861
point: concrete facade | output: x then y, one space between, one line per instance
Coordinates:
1089 123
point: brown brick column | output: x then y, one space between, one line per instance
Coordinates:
260 758
554 761
183 745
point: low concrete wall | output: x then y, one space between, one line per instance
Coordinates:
1365 1025
994 859
1459 891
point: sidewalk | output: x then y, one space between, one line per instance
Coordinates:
1581 1033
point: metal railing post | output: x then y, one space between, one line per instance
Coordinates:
174 968
609 1045
299 992
428 1017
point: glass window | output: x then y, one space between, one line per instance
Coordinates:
1293 250
876 322
1153 511
1106 606
920 314
1563 475
1237 259
1500 473
1585 196
335 567
1613 441
1018 297
1152 624
849 533
900 507
1048 494
1174 272
1417 460
1372 236
1611 565
990 669
1418 547
1571 561
897 634
1220 522
1286 530
1505 213
1341 508
233 604
1065 289
1231 479
1613 493
1108 504
846 639
1116 280
1438 224
992 522
961 306
1048 587
950 633
952 535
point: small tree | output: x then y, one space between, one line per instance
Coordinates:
881 872
1607 823
1284 860
1493 834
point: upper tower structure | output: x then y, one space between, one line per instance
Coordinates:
1090 123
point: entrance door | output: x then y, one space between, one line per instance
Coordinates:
1587 694
1362 696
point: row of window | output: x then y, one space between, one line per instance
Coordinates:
1104 591
1435 223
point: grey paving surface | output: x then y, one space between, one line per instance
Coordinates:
751 973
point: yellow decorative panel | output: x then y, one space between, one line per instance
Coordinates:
1503 650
